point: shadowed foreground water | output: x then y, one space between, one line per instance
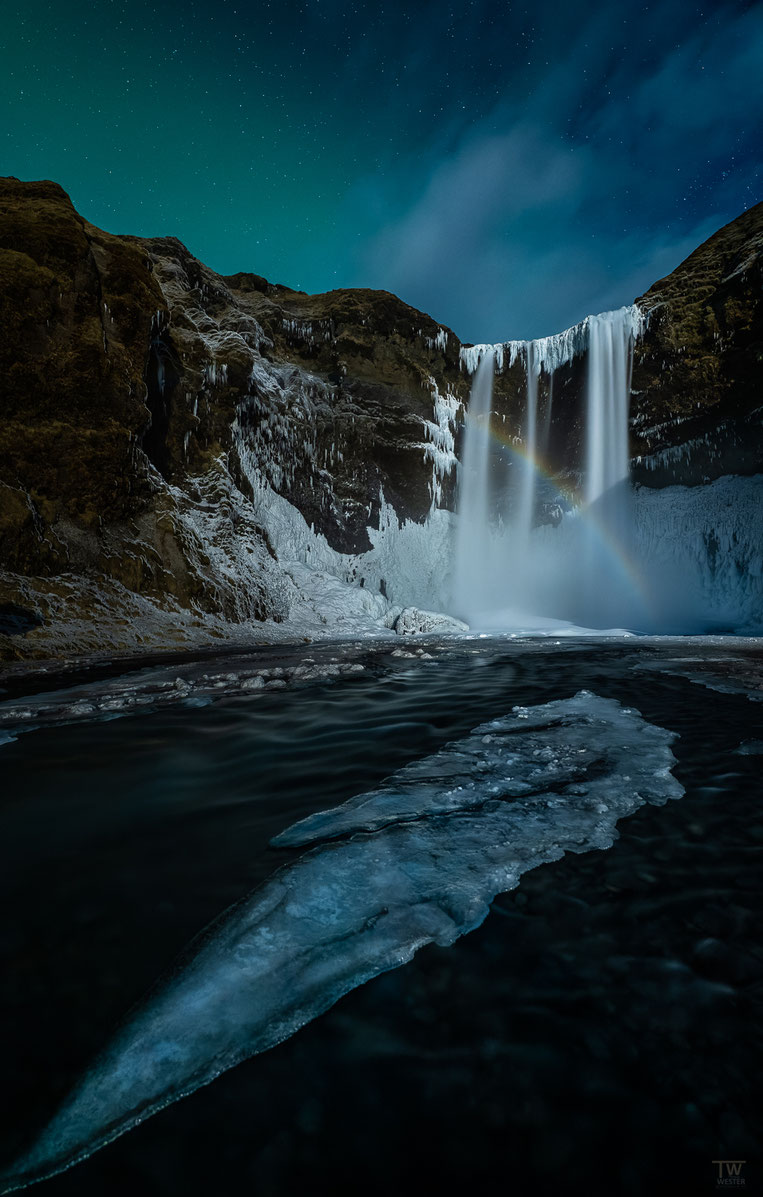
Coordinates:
601 1032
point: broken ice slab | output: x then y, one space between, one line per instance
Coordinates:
423 857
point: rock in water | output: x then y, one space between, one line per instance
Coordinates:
413 622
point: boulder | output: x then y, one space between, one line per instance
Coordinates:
413 622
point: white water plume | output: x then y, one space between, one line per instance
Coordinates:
508 571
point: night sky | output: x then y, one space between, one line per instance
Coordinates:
505 167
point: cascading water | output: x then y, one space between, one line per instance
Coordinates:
606 589
523 520
473 535
610 354
546 438
510 573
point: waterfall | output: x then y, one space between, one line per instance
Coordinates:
508 572
610 353
523 521
473 534
605 591
546 442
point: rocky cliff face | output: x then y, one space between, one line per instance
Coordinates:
171 439
79 495
333 392
698 372
134 382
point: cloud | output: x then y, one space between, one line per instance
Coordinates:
575 194
482 189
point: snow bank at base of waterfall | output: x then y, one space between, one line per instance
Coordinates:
701 552
694 562
333 593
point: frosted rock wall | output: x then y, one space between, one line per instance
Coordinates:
298 479
408 562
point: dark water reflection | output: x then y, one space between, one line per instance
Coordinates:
601 1032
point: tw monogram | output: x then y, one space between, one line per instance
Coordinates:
733 1172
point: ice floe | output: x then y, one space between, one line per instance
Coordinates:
419 861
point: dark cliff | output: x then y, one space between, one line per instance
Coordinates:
697 408
125 364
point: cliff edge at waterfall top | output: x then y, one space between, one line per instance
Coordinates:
188 458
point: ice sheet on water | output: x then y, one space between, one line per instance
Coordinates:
726 672
572 756
750 748
421 859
